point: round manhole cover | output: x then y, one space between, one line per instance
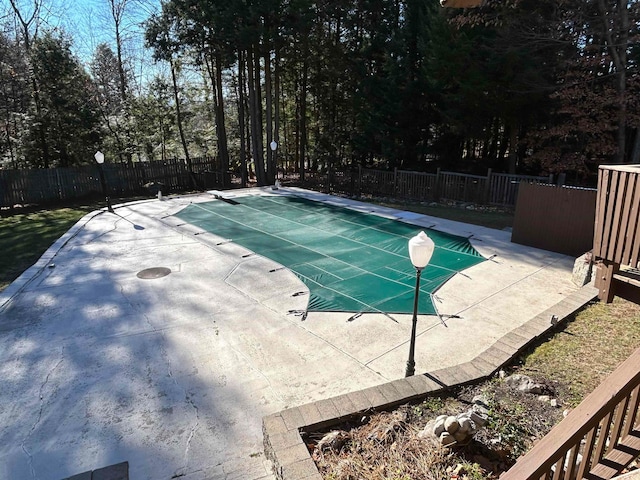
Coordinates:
155 272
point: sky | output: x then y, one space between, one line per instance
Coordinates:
89 22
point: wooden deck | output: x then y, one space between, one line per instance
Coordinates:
616 241
597 440
601 437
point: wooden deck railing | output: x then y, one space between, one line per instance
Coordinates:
616 240
596 440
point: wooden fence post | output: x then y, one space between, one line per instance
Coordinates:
395 181
561 179
487 188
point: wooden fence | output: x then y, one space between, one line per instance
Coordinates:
598 438
559 219
42 186
63 184
499 189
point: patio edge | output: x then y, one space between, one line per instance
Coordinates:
283 444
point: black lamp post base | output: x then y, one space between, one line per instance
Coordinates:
411 369
411 364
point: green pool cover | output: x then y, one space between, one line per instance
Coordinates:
350 261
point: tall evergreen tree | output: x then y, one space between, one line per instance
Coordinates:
69 116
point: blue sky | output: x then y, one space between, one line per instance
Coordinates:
89 22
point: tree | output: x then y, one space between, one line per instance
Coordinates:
113 107
14 98
160 36
69 116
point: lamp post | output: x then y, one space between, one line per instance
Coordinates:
420 251
99 156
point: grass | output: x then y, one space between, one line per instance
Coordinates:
490 217
26 233
588 348
25 236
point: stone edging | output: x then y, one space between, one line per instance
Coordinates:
284 446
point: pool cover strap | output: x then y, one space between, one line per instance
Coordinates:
350 261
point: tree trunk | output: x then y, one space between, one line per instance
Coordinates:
221 129
276 119
303 115
513 149
117 12
617 47
176 98
269 108
25 24
241 120
635 152
255 114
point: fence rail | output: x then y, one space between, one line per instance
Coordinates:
499 189
41 186
598 438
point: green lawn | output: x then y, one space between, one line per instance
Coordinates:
475 215
24 237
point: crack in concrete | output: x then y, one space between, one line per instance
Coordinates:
39 417
194 428
187 395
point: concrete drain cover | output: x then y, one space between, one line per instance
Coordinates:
155 272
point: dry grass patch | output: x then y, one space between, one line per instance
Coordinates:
587 349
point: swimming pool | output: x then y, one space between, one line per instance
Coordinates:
350 261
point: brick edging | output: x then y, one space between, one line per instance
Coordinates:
284 446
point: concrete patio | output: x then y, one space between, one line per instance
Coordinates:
174 374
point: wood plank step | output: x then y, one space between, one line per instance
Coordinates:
628 275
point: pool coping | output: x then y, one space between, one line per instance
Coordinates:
283 443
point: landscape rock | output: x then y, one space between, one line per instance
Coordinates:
480 400
334 441
480 405
478 419
525 384
446 439
450 429
582 270
451 425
